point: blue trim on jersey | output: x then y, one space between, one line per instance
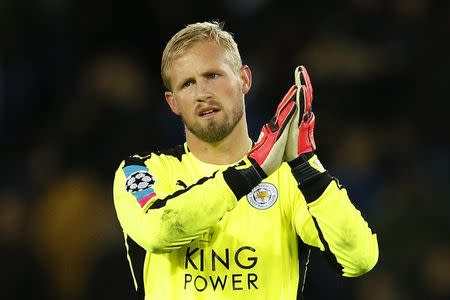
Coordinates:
141 194
128 170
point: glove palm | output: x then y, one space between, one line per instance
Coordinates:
301 131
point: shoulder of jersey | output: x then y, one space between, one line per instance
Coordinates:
140 158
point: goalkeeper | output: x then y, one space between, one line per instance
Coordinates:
220 215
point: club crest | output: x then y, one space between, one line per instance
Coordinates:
263 196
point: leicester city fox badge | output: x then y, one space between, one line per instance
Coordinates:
263 196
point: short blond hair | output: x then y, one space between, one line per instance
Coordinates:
192 33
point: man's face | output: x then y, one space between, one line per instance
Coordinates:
207 92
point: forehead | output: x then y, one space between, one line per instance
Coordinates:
201 55
201 52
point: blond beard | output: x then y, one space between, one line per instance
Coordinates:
215 131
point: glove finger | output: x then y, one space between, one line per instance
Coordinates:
307 90
306 121
271 131
292 141
301 94
269 139
286 105
285 115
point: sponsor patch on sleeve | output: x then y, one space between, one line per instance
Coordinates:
140 183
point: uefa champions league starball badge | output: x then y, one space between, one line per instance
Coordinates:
263 196
138 181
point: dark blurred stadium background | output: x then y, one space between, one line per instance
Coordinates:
80 89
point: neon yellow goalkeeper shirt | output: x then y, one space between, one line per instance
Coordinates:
203 243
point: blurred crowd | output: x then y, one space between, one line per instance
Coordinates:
80 90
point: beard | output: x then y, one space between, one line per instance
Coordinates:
213 131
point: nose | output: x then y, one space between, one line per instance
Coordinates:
203 91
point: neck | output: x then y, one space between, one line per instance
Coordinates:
224 152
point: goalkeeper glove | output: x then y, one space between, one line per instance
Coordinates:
268 151
301 132
305 166
266 156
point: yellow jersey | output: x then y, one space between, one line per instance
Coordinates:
202 242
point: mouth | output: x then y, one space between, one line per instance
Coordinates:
208 112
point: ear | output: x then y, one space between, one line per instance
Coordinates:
246 78
172 102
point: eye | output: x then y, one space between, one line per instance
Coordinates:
187 84
212 76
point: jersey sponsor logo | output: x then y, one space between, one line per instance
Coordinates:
263 196
140 183
207 269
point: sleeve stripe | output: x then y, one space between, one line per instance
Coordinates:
145 199
162 202
304 252
331 257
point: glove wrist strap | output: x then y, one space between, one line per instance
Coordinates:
311 176
306 167
243 177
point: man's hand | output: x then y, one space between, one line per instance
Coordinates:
299 152
269 150
266 156
301 131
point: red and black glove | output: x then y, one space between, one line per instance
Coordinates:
268 151
306 167
266 156
301 133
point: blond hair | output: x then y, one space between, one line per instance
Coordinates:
202 31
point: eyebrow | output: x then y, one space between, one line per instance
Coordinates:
203 74
184 81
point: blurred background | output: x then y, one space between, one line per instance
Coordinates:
80 90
